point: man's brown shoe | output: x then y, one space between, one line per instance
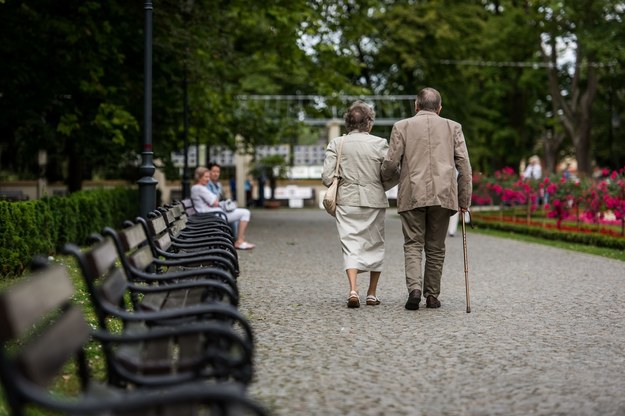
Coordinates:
432 302
414 298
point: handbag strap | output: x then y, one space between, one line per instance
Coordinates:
338 159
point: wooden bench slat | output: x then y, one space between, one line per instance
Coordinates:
43 359
157 225
26 302
102 256
114 287
162 359
132 237
142 258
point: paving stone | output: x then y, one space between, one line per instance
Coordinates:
546 335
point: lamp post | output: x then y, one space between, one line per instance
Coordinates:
42 161
197 149
185 133
147 183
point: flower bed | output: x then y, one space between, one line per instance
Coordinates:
596 202
597 236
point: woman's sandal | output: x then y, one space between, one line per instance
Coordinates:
354 300
372 300
245 246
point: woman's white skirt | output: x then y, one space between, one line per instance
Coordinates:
361 231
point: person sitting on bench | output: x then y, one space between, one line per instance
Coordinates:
204 200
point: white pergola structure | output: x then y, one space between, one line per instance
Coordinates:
318 110
322 111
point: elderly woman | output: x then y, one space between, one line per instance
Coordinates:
361 199
205 201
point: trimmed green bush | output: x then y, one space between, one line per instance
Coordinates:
594 239
44 226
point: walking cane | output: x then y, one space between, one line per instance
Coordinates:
466 261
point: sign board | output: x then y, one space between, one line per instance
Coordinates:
292 192
296 203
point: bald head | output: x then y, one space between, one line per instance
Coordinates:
428 99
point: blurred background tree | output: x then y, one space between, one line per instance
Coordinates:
523 77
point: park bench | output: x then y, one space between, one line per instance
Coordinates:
151 291
180 232
176 218
13 196
187 203
42 331
144 252
223 354
162 244
141 261
193 217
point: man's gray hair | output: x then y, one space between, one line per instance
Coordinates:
429 99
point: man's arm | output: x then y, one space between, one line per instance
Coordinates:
465 179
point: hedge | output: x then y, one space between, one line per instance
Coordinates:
591 239
43 226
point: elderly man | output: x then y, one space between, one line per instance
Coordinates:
425 151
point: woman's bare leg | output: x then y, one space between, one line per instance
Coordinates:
373 283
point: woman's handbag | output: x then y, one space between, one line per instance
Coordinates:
329 200
228 205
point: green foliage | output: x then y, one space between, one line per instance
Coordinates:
72 83
591 239
43 226
115 121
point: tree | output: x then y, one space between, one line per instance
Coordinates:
588 30
457 47
72 75
65 89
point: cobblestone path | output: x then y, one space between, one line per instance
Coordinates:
546 335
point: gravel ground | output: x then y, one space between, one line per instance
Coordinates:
546 335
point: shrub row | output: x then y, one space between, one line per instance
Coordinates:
43 226
591 239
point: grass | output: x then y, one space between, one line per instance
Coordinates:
67 383
582 248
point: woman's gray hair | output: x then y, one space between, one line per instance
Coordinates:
359 116
199 172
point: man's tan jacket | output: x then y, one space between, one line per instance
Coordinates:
425 151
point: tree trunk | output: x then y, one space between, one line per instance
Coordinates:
74 168
575 107
551 147
582 151
581 138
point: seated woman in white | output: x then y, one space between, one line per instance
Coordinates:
205 201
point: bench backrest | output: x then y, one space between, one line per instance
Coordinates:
105 278
157 227
136 247
40 301
162 238
188 206
174 223
42 331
